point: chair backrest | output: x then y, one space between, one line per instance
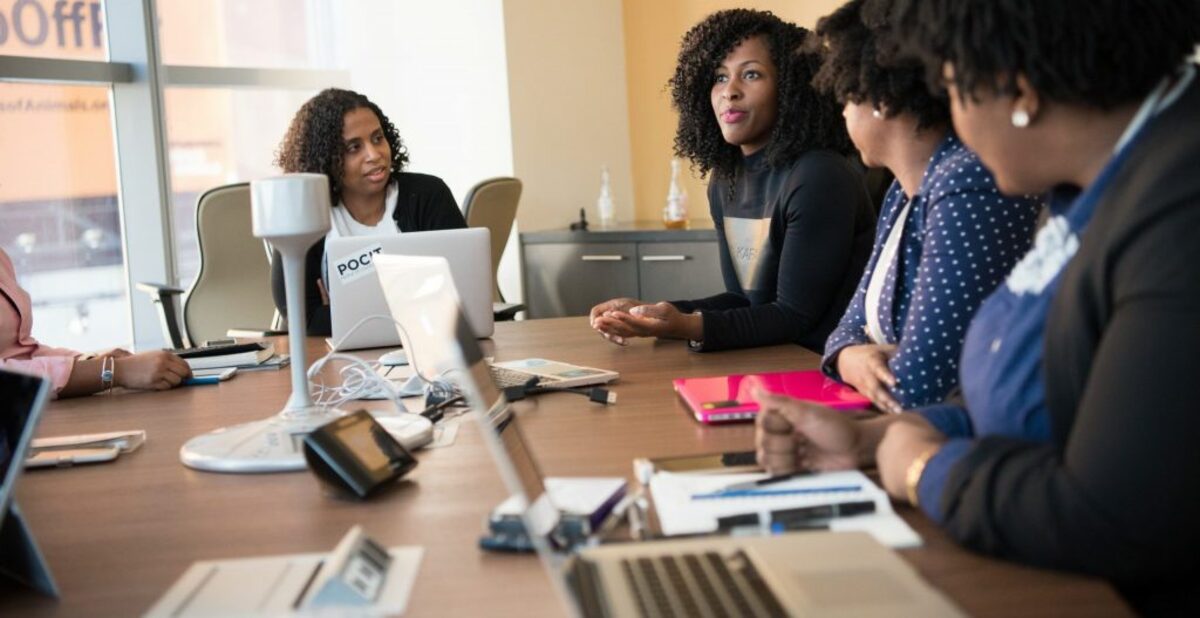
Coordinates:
233 287
493 204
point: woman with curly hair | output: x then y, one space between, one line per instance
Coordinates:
1074 447
791 212
342 134
926 269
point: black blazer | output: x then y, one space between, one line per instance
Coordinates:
424 204
1117 492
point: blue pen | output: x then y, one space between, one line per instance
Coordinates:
195 380
758 493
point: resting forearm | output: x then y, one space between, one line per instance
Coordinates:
85 378
870 435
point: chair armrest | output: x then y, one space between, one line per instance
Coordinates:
158 290
163 296
504 312
254 333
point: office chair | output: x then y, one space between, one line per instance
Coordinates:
232 289
493 204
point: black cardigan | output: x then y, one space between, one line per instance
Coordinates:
424 203
1117 492
820 227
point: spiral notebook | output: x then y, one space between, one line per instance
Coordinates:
690 503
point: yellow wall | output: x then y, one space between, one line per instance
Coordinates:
653 29
566 83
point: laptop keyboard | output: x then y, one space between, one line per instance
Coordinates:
504 377
699 584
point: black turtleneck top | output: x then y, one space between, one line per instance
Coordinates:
794 241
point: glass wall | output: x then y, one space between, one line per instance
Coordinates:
231 75
59 215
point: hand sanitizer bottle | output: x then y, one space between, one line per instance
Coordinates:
675 213
604 203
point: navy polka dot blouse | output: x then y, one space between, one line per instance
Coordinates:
960 240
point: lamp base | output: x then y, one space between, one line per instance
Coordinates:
276 444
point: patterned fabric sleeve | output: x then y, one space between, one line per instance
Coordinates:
972 237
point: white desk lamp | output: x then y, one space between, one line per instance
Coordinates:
291 212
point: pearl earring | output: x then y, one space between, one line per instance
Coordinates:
876 113
1020 118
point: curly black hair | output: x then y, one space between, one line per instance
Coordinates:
857 67
1095 53
313 142
806 119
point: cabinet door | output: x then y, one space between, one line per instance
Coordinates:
569 279
679 270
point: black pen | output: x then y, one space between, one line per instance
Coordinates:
804 517
770 480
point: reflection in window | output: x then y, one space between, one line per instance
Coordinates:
273 34
217 137
59 217
53 29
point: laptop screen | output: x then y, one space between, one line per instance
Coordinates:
22 398
492 402
421 296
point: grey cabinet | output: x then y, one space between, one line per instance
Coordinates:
678 270
567 273
568 279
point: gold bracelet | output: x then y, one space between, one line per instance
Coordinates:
915 469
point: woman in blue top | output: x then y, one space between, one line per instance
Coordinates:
1075 445
945 236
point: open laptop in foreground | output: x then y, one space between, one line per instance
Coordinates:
805 573
354 291
22 399
420 297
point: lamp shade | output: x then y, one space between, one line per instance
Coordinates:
291 206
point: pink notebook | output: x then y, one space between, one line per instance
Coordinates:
726 399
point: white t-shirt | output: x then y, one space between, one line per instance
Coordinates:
344 225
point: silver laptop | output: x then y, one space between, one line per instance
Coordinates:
795 574
354 291
424 301
22 399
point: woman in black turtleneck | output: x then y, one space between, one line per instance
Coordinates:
792 215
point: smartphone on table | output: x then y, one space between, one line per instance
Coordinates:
210 376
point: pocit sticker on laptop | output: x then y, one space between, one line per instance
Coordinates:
356 265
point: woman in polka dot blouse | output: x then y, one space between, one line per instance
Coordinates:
946 237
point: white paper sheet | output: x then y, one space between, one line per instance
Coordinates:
679 512
269 586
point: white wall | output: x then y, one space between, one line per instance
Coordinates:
438 70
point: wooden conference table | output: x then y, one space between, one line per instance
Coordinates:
117 535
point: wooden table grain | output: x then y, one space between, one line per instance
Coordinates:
117 535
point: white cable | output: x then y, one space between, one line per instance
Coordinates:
359 377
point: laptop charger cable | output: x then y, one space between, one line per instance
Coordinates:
596 394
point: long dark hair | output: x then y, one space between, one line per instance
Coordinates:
313 142
806 119
857 66
1096 53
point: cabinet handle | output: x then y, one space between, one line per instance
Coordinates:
602 258
664 258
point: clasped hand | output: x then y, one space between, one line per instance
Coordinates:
797 436
621 318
